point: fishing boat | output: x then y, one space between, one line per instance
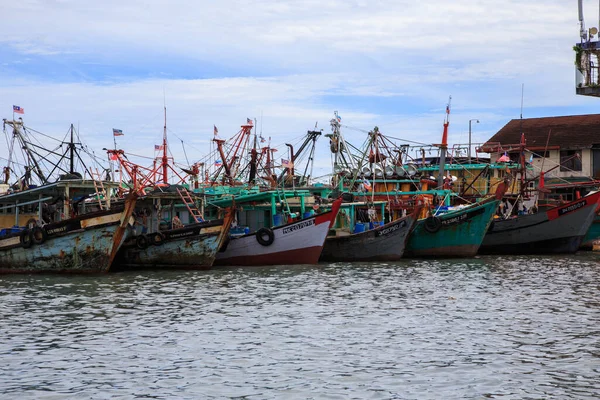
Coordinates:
171 230
173 243
296 242
70 224
86 243
385 172
457 233
367 241
556 230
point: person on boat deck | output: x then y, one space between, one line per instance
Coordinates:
448 182
500 210
177 222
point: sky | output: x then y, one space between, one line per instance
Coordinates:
288 64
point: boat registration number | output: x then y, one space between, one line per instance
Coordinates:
391 229
462 218
298 226
572 207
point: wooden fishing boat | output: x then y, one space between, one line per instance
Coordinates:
298 242
456 233
557 230
383 243
192 246
71 225
87 243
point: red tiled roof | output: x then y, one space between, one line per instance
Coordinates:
570 132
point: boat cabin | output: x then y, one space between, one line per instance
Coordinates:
53 202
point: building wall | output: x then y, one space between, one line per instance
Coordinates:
553 160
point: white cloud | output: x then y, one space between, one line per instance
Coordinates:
386 63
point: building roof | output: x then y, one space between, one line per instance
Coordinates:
568 132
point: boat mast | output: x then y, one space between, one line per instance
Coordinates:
253 159
165 160
19 136
71 153
444 145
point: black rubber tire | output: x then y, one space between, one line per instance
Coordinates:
31 223
39 235
26 239
433 224
142 242
157 238
260 236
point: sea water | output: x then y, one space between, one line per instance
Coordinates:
488 327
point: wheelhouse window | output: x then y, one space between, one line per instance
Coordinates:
570 160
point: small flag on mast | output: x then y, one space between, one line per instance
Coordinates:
18 110
286 163
216 131
117 132
218 163
158 147
248 121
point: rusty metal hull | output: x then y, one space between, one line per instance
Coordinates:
384 243
194 247
78 245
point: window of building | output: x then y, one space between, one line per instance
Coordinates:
570 160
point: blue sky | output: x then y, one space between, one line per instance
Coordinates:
113 64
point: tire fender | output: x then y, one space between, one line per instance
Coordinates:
433 224
157 238
265 236
141 242
39 235
26 238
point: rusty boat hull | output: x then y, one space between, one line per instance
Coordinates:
84 244
194 246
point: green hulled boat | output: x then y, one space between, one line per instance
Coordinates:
456 233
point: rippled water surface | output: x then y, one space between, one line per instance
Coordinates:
512 328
